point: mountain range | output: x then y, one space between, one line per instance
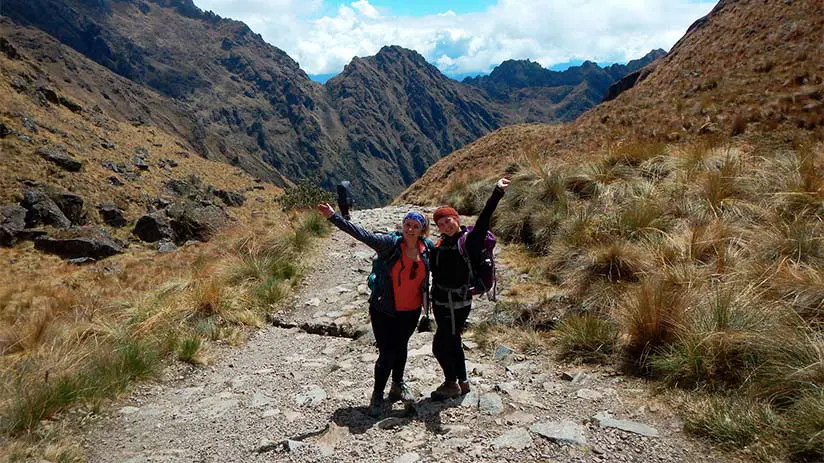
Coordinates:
230 96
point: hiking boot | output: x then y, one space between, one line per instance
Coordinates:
399 391
375 405
447 390
464 385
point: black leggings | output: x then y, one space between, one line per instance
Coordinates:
392 336
448 347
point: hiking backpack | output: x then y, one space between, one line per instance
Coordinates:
482 275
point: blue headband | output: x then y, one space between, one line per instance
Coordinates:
416 216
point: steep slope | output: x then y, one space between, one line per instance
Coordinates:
745 69
232 97
536 94
249 101
60 135
402 115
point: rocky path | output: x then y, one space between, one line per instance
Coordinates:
292 395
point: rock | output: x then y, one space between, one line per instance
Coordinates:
314 302
82 260
313 395
502 352
490 404
408 457
565 432
605 420
391 423
517 439
59 158
166 245
588 394
115 181
110 165
12 222
575 376
154 227
231 198
260 400
192 222
112 215
140 163
108 145
454 429
72 207
81 242
41 209
4 131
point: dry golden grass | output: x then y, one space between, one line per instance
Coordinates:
705 257
90 331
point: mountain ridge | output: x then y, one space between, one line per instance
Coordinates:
235 98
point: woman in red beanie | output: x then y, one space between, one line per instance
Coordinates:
451 298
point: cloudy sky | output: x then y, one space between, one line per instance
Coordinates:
465 36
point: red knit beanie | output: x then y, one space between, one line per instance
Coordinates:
443 211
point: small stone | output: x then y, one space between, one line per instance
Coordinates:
408 457
315 302
565 432
502 352
490 404
517 439
605 420
588 394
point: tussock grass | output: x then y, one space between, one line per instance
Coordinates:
91 335
586 337
732 422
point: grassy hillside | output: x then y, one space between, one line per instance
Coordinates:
678 231
73 337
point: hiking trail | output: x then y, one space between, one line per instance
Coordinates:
298 391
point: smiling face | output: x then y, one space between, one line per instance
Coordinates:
449 225
411 230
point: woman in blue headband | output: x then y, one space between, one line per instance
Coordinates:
400 288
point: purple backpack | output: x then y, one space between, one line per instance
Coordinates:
482 277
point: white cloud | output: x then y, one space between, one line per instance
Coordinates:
547 31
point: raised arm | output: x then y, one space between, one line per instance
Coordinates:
380 242
476 236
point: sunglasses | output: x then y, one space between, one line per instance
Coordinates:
414 272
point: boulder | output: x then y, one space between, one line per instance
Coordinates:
231 198
154 227
79 243
12 222
112 215
71 205
4 131
43 210
140 163
191 221
59 158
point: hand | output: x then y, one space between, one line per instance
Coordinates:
503 183
325 210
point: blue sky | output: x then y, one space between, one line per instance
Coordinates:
465 36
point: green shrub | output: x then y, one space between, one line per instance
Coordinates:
305 194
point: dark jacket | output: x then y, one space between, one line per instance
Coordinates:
345 194
450 274
388 248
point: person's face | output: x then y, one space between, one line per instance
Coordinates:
411 230
449 225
